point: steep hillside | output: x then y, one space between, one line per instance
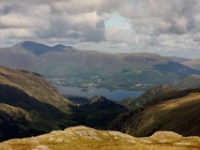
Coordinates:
186 82
10 119
85 138
97 113
152 93
35 86
176 111
135 71
29 105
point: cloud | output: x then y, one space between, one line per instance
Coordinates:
156 26
80 20
86 6
163 17
15 34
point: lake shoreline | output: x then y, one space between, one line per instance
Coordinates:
92 91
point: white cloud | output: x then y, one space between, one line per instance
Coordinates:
19 21
15 33
156 26
167 16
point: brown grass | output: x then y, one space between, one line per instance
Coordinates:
84 138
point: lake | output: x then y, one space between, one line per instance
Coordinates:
112 95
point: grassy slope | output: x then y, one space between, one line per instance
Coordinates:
10 119
35 86
176 111
131 103
29 105
89 139
16 122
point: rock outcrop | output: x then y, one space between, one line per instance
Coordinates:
85 138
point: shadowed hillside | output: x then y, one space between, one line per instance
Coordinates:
35 86
176 111
97 113
29 105
190 62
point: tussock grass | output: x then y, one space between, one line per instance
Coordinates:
84 138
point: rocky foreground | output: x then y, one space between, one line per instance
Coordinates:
84 138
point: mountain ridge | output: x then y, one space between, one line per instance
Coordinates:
39 49
79 68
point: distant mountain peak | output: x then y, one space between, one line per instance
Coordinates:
38 48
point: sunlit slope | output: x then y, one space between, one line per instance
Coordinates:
177 111
89 139
35 86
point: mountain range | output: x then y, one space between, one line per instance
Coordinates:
73 67
31 106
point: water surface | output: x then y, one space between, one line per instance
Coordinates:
112 95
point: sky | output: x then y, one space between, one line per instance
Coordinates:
166 27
